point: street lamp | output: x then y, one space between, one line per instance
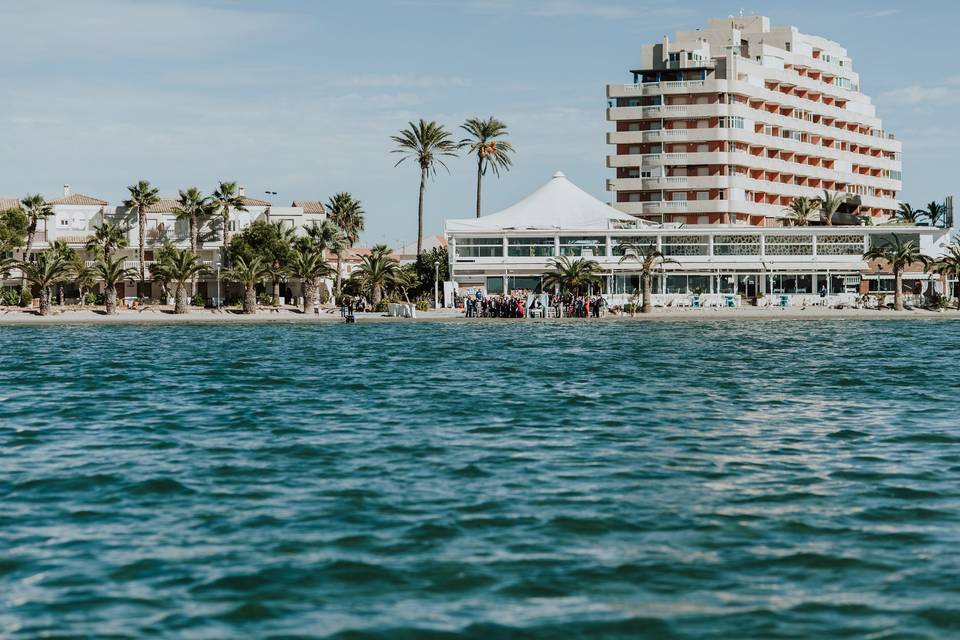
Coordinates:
436 284
219 301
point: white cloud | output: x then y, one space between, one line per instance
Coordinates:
919 96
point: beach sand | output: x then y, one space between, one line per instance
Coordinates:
14 316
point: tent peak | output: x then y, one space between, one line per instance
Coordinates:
559 174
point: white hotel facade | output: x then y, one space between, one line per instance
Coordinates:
715 136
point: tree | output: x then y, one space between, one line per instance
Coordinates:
107 238
346 213
62 249
248 274
899 255
36 209
271 242
46 269
182 266
426 143
225 198
572 275
158 270
935 213
801 210
112 272
426 271
906 214
309 266
84 276
13 230
485 143
829 204
948 265
193 207
375 273
405 280
650 259
142 197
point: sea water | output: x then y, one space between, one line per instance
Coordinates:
491 480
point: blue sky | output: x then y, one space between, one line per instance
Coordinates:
300 96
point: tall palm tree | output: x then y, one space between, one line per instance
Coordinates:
225 198
829 204
37 209
650 259
486 143
801 210
142 196
45 270
112 272
935 213
107 238
309 266
84 276
906 214
899 255
192 206
346 212
248 274
375 273
426 143
182 266
572 275
948 265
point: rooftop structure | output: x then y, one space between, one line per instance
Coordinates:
728 124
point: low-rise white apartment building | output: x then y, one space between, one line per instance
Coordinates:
728 124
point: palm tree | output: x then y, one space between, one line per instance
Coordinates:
935 213
801 210
45 270
572 275
899 255
406 279
492 154
309 266
346 212
948 266
650 259
192 206
62 249
906 214
36 209
112 272
828 204
84 276
426 143
248 274
224 198
376 272
107 238
182 266
142 196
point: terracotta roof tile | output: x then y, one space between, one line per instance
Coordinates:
9 203
253 202
310 206
164 205
80 199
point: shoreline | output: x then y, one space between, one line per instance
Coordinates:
21 317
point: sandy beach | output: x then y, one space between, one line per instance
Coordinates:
15 316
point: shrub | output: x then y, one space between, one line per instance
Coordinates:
26 298
324 296
381 306
10 297
198 300
423 305
265 299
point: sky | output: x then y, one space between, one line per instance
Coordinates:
301 97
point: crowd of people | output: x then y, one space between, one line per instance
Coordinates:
521 304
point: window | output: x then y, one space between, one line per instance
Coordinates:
732 122
575 246
789 245
63 223
685 245
494 284
736 245
529 247
675 57
640 242
479 247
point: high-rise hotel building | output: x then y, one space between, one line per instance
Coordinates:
727 125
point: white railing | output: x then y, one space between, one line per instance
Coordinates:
675 133
675 157
651 206
676 109
651 110
675 204
650 135
650 157
677 180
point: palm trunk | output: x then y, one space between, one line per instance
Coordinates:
45 301
276 290
142 220
647 285
897 293
180 305
194 241
110 299
339 266
310 295
479 182
31 232
423 186
226 229
377 296
82 296
250 299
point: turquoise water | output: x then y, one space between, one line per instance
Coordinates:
489 480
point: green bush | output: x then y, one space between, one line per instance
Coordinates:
26 298
265 298
423 305
198 300
10 297
91 298
381 306
324 296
